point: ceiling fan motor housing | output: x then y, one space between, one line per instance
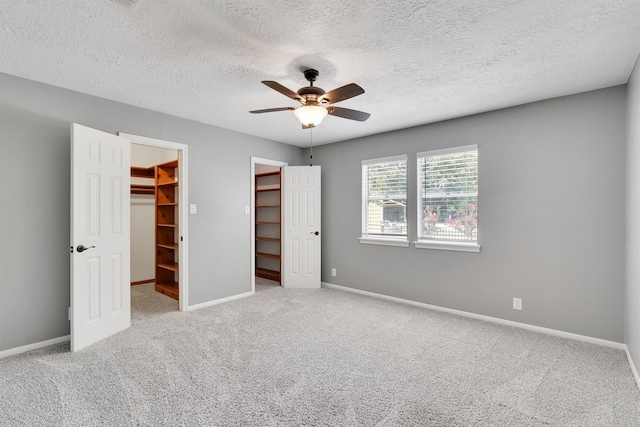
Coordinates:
311 93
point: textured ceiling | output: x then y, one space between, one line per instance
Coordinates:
418 61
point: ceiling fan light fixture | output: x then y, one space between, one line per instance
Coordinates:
314 99
310 115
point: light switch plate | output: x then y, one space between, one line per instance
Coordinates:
193 209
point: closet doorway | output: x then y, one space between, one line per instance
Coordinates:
266 219
154 224
158 224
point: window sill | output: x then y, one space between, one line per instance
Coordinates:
447 246
388 241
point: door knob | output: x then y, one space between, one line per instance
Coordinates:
317 233
82 248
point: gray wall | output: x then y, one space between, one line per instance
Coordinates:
632 310
552 209
34 196
551 216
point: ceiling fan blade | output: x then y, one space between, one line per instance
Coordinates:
283 90
271 110
342 93
307 126
347 113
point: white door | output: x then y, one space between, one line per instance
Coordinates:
100 265
301 226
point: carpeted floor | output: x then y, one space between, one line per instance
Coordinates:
317 358
266 284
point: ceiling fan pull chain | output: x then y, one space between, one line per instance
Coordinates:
311 156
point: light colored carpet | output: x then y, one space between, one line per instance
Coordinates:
147 304
263 284
318 358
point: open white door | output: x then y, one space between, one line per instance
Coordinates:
301 226
100 265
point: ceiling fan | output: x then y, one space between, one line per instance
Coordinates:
314 100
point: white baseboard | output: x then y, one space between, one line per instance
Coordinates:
34 346
219 301
633 367
554 332
41 344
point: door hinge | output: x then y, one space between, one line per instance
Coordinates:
71 250
181 238
69 313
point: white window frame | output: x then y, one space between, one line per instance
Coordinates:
441 244
402 241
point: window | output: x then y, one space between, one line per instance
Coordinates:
384 199
448 197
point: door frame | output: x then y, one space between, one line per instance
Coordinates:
183 212
252 210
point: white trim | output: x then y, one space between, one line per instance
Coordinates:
183 214
153 142
34 346
252 208
554 332
385 160
633 367
385 241
219 301
447 246
445 151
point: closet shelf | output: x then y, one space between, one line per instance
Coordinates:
166 175
268 274
268 239
272 173
142 172
168 245
172 266
266 255
268 222
143 189
169 289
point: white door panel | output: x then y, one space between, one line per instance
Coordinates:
100 285
301 226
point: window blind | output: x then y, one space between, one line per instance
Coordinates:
384 197
448 194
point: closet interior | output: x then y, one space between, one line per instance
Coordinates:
154 218
267 216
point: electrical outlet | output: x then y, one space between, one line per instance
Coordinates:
517 303
333 272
